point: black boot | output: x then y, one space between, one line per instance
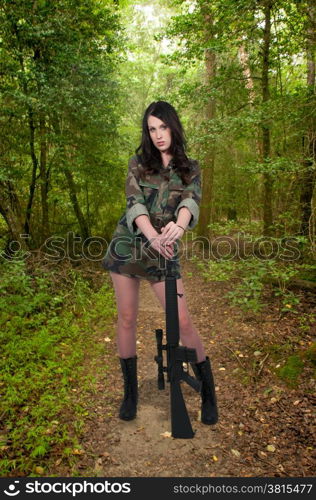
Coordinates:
129 403
203 372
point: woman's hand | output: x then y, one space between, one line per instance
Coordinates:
165 249
171 232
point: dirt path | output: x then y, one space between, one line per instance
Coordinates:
265 428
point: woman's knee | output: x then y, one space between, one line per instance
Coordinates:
127 319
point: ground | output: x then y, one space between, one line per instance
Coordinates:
265 427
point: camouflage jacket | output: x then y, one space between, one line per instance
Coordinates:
160 196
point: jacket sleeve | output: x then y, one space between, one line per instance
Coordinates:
135 202
191 196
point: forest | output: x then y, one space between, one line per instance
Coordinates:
75 79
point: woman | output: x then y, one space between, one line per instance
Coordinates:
163 193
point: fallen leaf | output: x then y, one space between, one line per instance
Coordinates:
39 470
257 353
166 434
222 368
296 402
77 451
271 448
107 339
235 452
215 459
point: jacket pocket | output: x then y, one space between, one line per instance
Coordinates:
178 188
150 191
146 184
175 195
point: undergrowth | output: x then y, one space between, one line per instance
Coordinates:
252 278
46 330
257 286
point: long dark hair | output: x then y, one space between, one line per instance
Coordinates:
150 157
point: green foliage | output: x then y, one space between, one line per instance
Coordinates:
283 275
230 228
232 34
310 354
88 69
289 301
247 295
216 270
45 331
250 278
308 272
291 370
59 93
306 321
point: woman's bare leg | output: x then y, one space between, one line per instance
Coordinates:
126 292
188 333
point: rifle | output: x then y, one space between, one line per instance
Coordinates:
176 356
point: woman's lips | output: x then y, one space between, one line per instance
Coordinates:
160 143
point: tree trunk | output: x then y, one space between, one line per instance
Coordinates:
265 125
34 171
207 205
249 84
84 229
309 141
231 191
45 232
10 210
32 146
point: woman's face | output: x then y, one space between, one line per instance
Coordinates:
159 133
